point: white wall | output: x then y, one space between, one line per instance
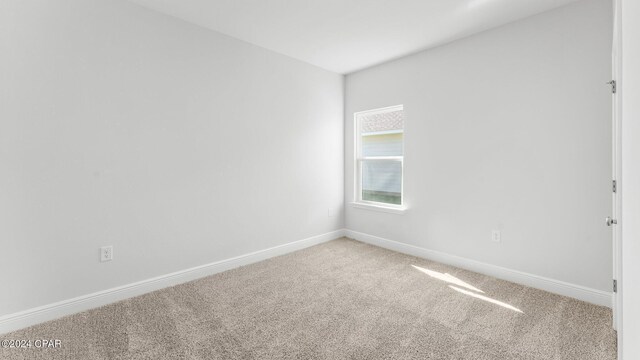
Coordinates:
510 130
630 92
177 145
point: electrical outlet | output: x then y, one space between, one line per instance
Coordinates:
495 236
106 253
329 212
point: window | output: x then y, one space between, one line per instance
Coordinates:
379 156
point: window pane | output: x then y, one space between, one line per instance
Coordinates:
382 145
381 134
382 181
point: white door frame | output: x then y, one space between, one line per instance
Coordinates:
616 123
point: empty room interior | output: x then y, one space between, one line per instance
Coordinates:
320 179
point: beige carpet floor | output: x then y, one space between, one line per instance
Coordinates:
338 300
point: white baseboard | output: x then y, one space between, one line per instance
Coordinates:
56 310
593 296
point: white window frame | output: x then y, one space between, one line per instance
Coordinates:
358 160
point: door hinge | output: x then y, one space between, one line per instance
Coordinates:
613 86
614 187
615 286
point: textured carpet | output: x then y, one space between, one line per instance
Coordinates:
338 300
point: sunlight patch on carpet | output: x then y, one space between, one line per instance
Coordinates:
488 299
447 278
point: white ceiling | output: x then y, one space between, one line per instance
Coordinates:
348 35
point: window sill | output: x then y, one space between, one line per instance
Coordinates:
399 210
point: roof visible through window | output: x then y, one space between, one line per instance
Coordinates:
385 121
